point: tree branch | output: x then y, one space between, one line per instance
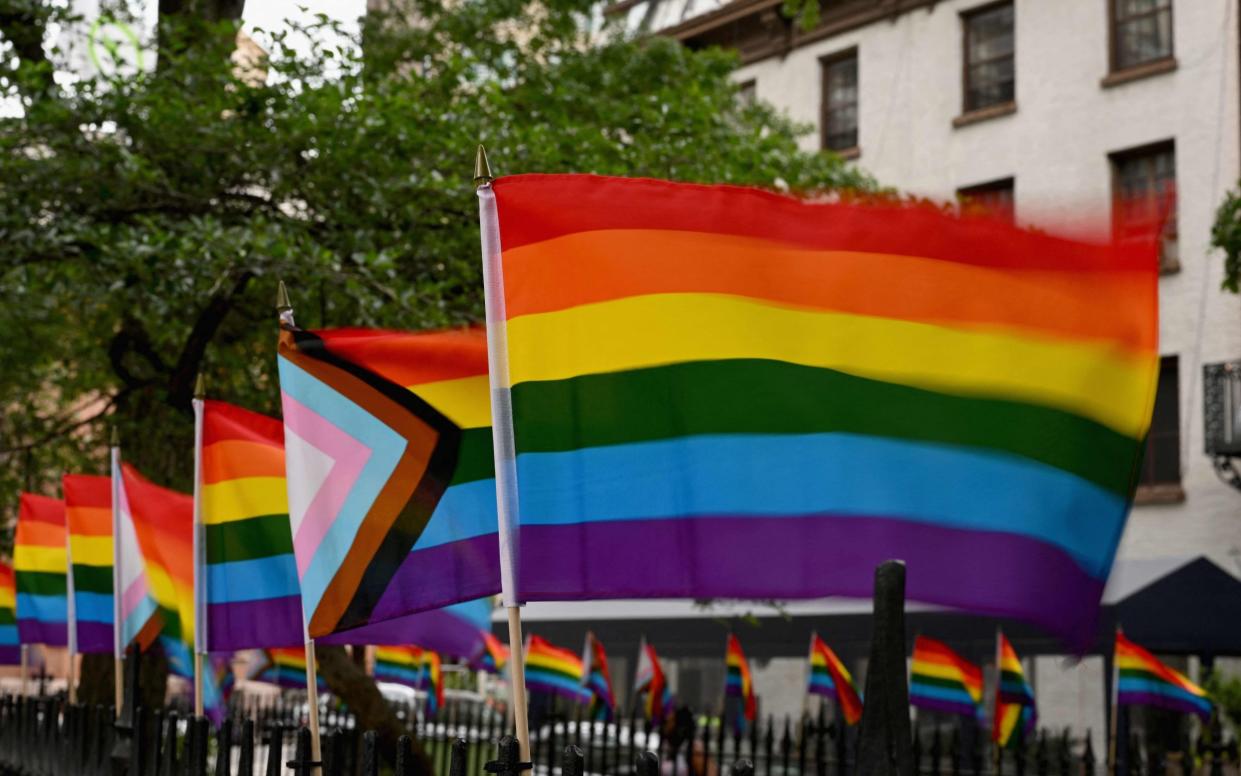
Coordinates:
181 381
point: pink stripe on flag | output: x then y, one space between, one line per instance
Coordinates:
349 457
134 595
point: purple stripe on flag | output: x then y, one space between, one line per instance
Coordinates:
983 572
936 704
10 656
269 622
95 637
1202 709
438 630
52 634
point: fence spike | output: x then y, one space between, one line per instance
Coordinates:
743 767
457 757
572 765
275 750
370 753
647 764
224 749
170 764
245 754
404 757
508 759
302 763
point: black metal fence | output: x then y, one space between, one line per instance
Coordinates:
48 737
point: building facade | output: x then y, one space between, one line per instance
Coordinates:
1073 115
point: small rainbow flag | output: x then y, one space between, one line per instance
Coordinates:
597 679
649 679
491 656
1145 681
830 678
40 567
10 644
1014 701
88 512
710 379
399 664
432 680
163 521
941 680
738 682
554 670
251 594
286 667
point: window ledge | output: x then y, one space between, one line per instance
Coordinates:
1138 72
985 114
847 154
1169 266
1162 493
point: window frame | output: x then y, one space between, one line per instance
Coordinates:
1167 263
1008 183
825 63
966 16
1149 67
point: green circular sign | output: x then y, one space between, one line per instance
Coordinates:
119 44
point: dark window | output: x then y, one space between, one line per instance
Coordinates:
747 93
1141 32
994 199
1161 462
989 46
1144 194
840 101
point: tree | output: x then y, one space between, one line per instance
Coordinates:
1226 235
145 220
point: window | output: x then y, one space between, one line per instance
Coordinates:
747 93
994 199
1161 461
989 47
1141 32
840 101
1144 197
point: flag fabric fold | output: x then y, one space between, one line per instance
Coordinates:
491 655
942 680
135 607
831 679
390 476
1015 709
40 568
708 379
251 593
88 515
1143 680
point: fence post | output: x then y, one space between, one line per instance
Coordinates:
404 757
884 743
743 767
124 726
647 764
508 759
275 750
457 757
572 765
224 749
170 765
370 753
937 753
245 755
915 750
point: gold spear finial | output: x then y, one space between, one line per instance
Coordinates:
116 437
482 170
200 387
284 308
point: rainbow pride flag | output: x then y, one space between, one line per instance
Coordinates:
432 680
830 679
650 681
163 521
399 664
40 567
1014 700
391 484
1145 681
286 667
711 379
597 679
491 656
10 644
942 680
137 610
88 514
251 593
554 670
738 683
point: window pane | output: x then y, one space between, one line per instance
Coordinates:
840 98
1144 38
993 199
1161 461
989 68
1146 192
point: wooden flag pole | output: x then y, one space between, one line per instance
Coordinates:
995 714
25 669
284 312
117 620
503 446
1111 744
199 549
71 618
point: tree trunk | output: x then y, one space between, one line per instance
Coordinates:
351 684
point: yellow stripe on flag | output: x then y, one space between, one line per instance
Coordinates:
33 558
231 500
91 550
466 401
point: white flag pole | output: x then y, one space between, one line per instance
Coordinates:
284 310
200 549
502 435
72 617
118 647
